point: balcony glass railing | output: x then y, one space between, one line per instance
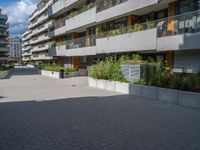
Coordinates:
105 4
77 43
184 23
73 14
123 30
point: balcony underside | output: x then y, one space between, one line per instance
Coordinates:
62 51
123 9
179 42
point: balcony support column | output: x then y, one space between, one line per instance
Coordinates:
75 62
171 27
169 57
132 19
87 37
171 13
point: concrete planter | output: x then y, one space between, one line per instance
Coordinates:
101 84
168 95
135 89
71 74
109 85
83 72
92 82
31 66
122 87
5 74
189 99
51 74
149 92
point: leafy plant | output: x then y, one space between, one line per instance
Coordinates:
56 68
140 81
138 27
73 14
150 24
109 69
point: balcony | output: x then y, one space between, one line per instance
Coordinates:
60 5
41 57
108 9
39 20
2 16
140 37
26 43
74 47
26 48
25 58
4 49
4 25
40 48
80 20
41 28
39 39
4 33
182 32
3 58
38 12
4 42
25 54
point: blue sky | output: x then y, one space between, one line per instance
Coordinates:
18 12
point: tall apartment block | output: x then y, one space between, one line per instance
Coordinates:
15 49
35 41
4 50
81 31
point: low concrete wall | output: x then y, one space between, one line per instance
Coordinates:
184 98
5 74
51 74
58 75
71 74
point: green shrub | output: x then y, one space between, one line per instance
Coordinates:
179 81
134 59
5 67
109 69
140 81
150 24
56 68
156 73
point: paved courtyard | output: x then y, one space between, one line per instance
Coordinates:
26 84
67 115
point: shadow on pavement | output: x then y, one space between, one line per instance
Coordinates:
25 71
98 123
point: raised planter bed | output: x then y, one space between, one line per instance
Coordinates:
57 75
5 74
149 92
168 95
51 74
184 98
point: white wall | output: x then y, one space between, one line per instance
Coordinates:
137 41
124 8
179 42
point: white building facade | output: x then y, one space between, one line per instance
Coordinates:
15 48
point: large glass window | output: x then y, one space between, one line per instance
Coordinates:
188 23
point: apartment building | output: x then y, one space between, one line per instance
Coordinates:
87 30
35 40
4 50
15 49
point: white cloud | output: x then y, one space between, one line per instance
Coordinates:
18 14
